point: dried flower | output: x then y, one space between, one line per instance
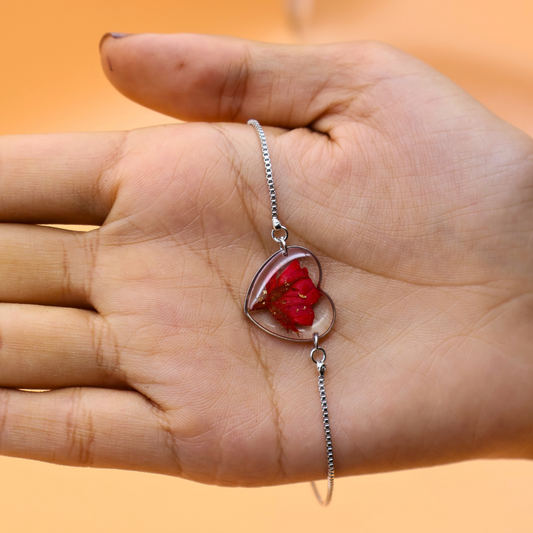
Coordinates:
290 298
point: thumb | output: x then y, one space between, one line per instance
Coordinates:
216 78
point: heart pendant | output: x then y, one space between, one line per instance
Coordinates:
285 298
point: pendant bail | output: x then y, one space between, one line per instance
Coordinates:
282 241
320 363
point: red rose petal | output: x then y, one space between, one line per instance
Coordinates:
290 297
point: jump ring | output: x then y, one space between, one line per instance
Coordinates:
312 355
283 237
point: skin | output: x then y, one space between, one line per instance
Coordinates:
416 199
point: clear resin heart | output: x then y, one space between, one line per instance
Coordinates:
285 298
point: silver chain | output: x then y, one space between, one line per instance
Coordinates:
276 224
321 367
321 363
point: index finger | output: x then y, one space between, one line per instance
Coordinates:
61 178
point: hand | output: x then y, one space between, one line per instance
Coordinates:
416 199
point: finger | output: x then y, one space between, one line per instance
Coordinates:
42 265
82 427
58 178
215 78
43 347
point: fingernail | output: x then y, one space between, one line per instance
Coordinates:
115 35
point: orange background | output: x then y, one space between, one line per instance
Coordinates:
51 81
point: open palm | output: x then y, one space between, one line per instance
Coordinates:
415 198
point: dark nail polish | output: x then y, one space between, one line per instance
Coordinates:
115 35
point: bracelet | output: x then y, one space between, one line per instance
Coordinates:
285 299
